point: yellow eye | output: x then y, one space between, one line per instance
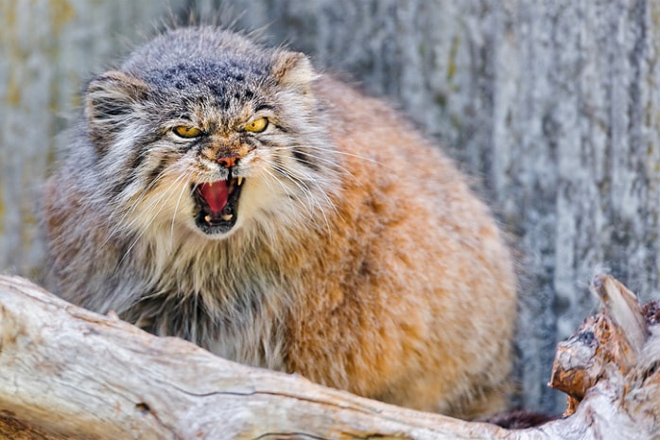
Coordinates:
186 131
257 125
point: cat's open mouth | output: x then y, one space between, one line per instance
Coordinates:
217 204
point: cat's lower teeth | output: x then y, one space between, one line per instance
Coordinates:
225 217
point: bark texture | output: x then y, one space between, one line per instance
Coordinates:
553 106
70 373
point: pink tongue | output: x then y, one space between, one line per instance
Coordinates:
215 194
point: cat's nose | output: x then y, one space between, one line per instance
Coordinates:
228 161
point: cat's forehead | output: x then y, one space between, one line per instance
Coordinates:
221 83
204 70
212 75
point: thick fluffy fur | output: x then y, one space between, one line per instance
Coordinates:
360 259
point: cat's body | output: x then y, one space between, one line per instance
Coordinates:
340 245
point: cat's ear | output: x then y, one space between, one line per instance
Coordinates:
293 69
110 101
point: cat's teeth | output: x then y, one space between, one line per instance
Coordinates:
207 219
240 181
227 217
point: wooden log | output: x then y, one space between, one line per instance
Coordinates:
611 340
609 352
71 373
14 429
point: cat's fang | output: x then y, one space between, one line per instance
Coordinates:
240 181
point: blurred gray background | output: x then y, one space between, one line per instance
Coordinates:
552 106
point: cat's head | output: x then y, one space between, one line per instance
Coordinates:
205 129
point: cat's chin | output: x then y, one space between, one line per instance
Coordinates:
216 232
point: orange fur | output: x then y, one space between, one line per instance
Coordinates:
359 256
425 307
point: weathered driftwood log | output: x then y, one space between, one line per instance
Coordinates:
70 373
605 346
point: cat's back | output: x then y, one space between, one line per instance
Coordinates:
378 143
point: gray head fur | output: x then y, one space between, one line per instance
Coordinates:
216 81
135 180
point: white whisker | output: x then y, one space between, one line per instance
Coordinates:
176 208
163 195
309 193
326 161
119 225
